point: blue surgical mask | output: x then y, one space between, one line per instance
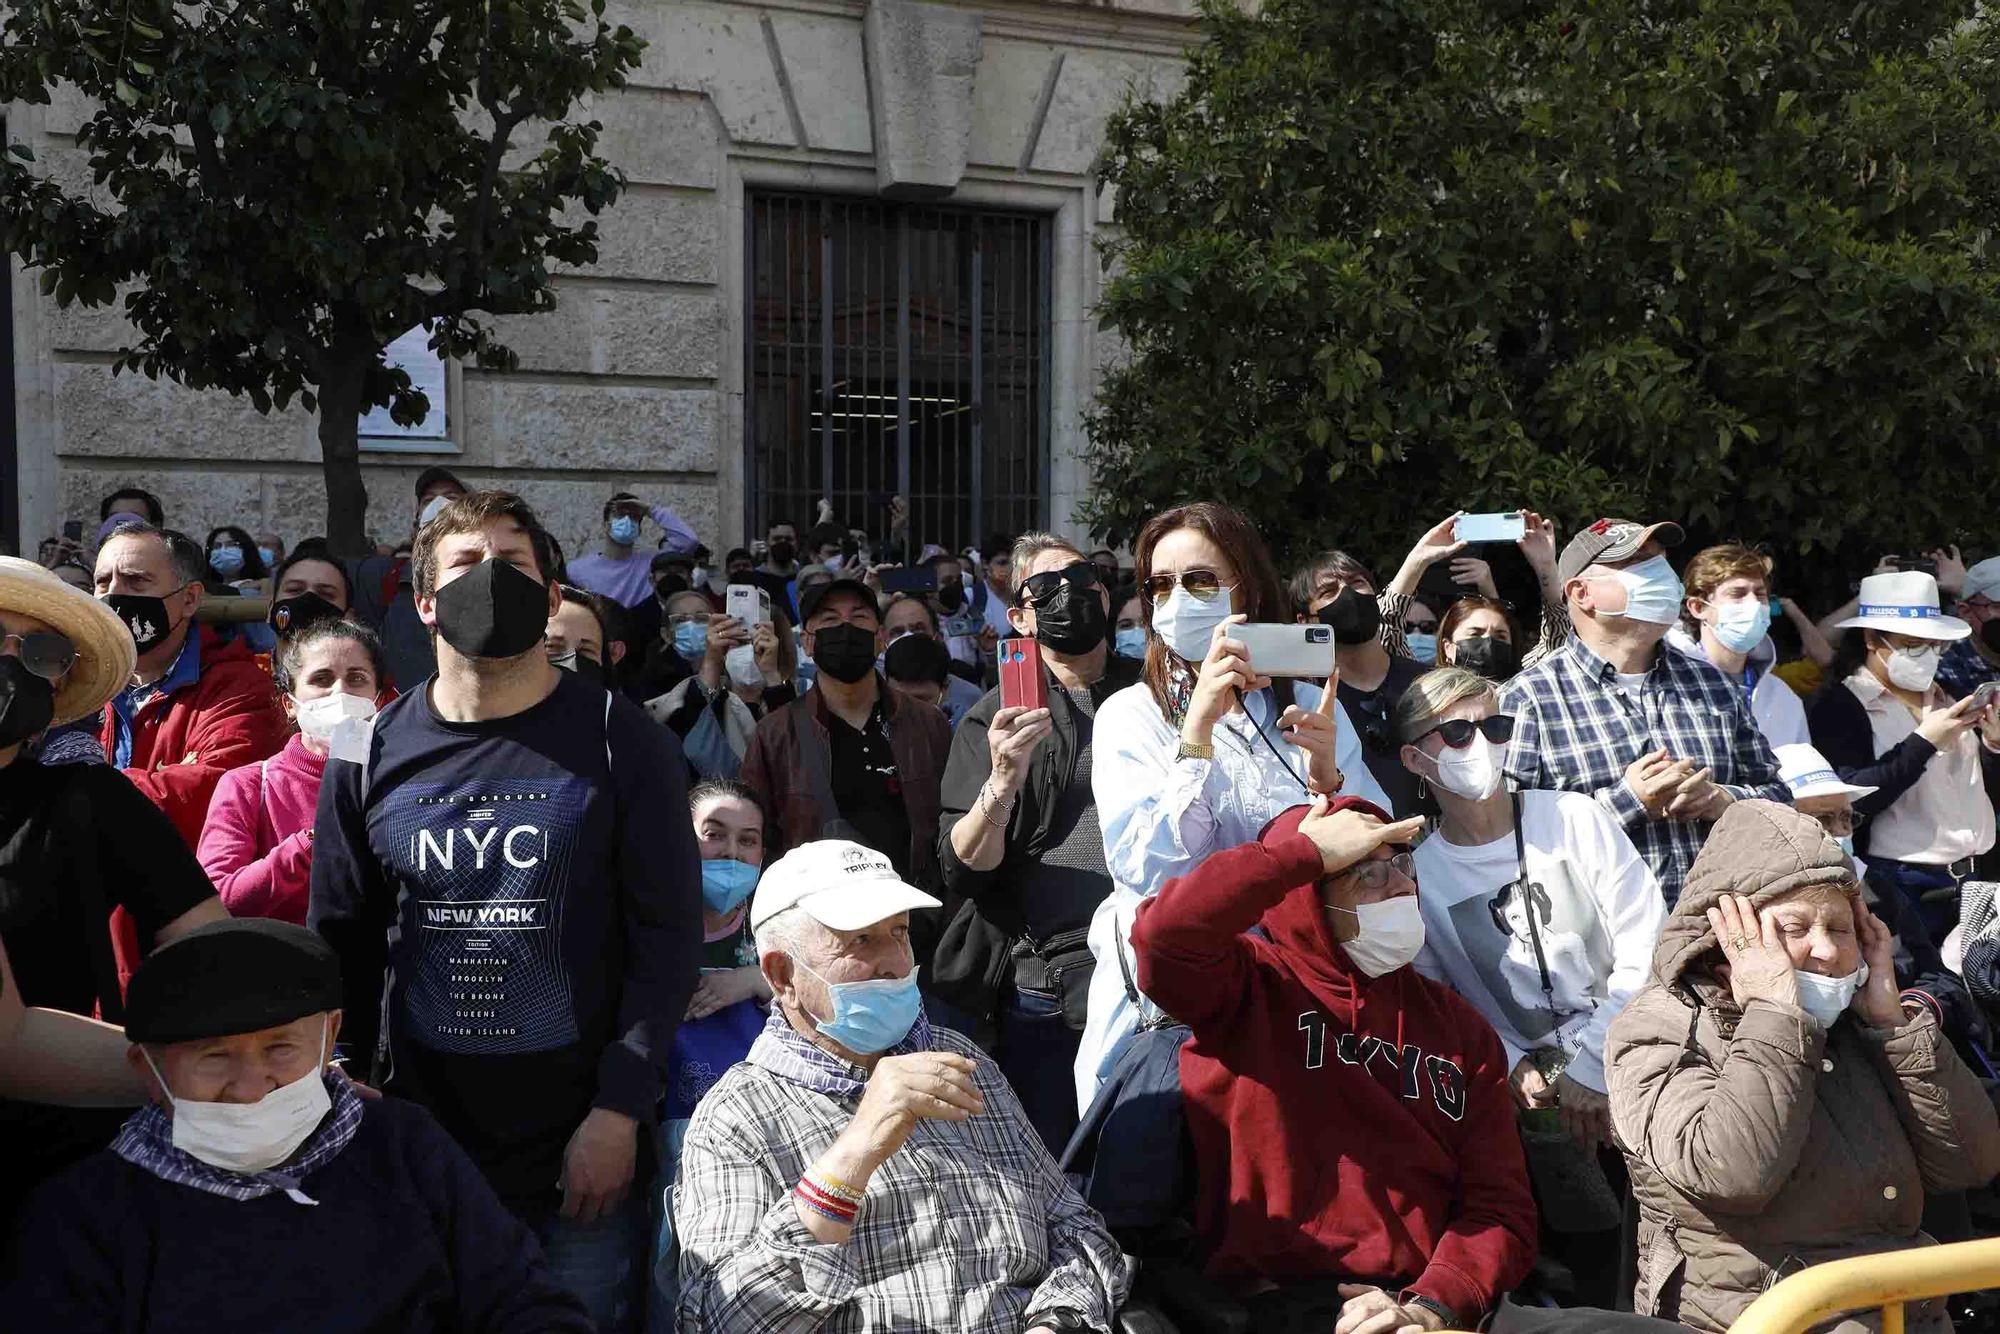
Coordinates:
1187 624
691 640
1846 842
725 883
871 1016
1827 998
1652 592
624 529
1741 626
1424 648
226 560
268 555
1130 642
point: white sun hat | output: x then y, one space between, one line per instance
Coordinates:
1805 771
1904 604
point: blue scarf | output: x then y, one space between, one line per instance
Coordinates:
147 1141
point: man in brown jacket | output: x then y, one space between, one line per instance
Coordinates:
851 758
1778 1105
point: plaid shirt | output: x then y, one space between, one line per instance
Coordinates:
969 1227
1575 731
1962 671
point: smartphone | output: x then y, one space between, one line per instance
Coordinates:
748 604
1287 650
1491 527
73 531
956 627
909 580
1022 685
1917 564
1984 696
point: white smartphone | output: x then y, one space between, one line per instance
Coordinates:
1287 650
1490 527
748 604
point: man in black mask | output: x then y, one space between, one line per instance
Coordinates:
1022 855
851 758
514 856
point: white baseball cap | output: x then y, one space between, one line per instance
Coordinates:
1806 772
1983 581
839 884
1904 604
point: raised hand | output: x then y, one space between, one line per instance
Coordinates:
1759 968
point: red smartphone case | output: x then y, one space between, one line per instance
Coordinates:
1022 685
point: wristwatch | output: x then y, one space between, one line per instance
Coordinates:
1064 1321
1436 1308
1190 750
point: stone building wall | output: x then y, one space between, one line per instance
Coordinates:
635 381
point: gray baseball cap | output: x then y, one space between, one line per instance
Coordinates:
1613 540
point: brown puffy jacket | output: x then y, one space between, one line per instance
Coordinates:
1759 1142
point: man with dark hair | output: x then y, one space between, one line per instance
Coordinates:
198 705
912 616
384 598
619 570
121 502
514 858
826 544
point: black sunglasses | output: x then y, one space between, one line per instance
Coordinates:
45 653
1037 587
1457 732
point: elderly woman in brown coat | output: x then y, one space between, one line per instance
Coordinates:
1778 1105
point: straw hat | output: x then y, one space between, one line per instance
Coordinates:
105 656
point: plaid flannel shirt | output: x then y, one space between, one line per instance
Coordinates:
1575 731
969 1227
1962 671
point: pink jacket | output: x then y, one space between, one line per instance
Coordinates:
257 843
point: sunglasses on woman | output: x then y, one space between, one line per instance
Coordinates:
1202 586
1039 587
1457 732
45 653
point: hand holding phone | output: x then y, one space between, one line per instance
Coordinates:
1287 650
1022 683
1508 527
749 604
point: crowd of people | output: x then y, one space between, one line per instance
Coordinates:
471 937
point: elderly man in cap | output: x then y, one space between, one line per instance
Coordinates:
257 1191
1975 660
1660 739
862 1170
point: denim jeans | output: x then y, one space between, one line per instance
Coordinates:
1038 1055
664 1292
600 1262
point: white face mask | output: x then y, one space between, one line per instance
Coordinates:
318 718
1827 998
256 1136
1475 771
1392 934
741 664
1186 624
1913 668
430 511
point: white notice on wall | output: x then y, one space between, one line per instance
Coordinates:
412 354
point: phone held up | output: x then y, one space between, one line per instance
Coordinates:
1287 650
1490 527
748 604
1022 684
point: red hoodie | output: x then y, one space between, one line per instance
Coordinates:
1344 1126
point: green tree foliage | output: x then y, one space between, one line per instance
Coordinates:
283 188
1730 261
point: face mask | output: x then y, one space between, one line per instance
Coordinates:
1071 620
1423 647
1474 772
701 577
624 530
871 1016
1392 934
226 561
27 702
318 717
691 640
1912 669
1489 656
1187 624
145 617
1846 842
1130 642
846 653
251 1137
588 669
1741 626
741 664
1827 998
1354 615
492 611
432 509
951 595
1653 592
725 883
293 614
782 552
268 555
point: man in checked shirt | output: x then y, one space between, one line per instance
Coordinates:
1661 739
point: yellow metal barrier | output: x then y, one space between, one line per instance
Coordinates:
1870 1281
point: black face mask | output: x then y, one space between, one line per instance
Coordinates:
782 552
1490 657
293 614
1989 634
951 595
27 702
1071 620
493 611
844 652
587 668
1354 616
145 617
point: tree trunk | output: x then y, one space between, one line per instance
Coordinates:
340 456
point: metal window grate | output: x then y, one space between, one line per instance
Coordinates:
897 349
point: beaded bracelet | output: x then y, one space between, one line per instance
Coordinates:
829 1197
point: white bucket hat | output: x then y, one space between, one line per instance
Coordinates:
1805 771
105 656
1904 604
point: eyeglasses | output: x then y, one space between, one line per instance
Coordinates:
1457 732
1038 587
1202 586
689 618
1420 627
1375 874
45 653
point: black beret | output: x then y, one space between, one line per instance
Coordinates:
225 978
